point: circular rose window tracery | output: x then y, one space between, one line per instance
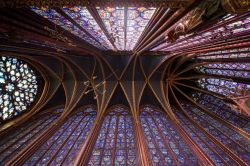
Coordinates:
18 87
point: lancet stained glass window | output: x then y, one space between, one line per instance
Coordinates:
61 21
21 137
230 138
64 145
226 54
223 110
18 87
210 148
137 20
113 18
116 141
227 69
223 86
83 17
230 26
165 145
124 25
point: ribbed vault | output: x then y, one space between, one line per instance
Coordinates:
189 70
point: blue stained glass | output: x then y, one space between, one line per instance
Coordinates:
227 69
226 54
115 143
164 142
223 110
113 18
229 26
19 139
223 86
18 87
211 149
59 20
137 20
65 143
82 16
230 138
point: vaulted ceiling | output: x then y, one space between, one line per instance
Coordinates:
117 54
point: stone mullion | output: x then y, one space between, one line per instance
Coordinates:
221 132
236 79
76 140
205 91
213 115
195 147
89 144
105 141
212 138
210 28
219 144
165 140
197 151
156 145
229 45
125 138
226 69
41 157
66 140
142 152
115 139
221 41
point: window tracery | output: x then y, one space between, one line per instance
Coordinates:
82 16
223 110
223 86
20 138
18 87
227 69
234 141
116 141
66 142
61 21
228 27
165 144
124 24
210 148
226 54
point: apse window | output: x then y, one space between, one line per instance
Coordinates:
123 25
18 87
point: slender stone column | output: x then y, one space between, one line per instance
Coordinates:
87 148
142 151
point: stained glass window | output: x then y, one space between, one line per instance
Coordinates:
223 86
137 20
21 137
211 149
223 110
82 16
165 145
116 143
227 54
227 136
124 24
64 145
18 87
227 69
229 27
113 18
61 21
